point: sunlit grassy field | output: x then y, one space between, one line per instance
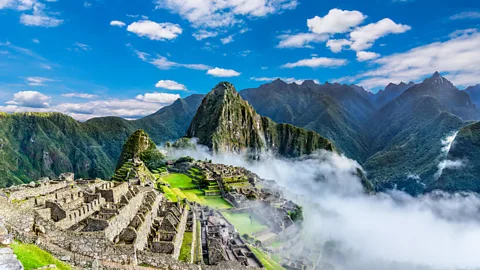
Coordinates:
243 224
32 257
181 187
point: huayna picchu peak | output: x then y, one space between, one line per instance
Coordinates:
225 122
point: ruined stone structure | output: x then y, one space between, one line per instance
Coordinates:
221 242
96 223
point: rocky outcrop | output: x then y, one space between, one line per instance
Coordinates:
226 123
8 260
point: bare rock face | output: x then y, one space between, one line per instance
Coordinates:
67 177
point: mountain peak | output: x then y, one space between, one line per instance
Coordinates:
437 80
308 83
228 123
135 145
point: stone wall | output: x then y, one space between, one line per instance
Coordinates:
143 231
124 217
76 215
113 192
23 192
179 236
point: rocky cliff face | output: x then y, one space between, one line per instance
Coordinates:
227 123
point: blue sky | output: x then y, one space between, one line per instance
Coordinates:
130 58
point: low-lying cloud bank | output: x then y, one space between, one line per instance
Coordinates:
391 230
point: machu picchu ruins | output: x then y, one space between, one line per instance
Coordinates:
181 215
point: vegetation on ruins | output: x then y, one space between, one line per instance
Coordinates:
185 251
33 257
267 262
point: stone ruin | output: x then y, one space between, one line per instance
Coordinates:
221 242
115 225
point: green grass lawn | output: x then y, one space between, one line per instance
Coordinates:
190 192
185 250
217 203
277 244
267 262
178 180
169 194
242 223
33 257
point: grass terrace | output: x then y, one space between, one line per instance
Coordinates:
243 224
268 263
183 187
186 249
32 257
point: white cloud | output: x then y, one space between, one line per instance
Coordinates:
82 46
317 62
35 40
337 45
162 62
215 14
457 58
365 56
287 80
336 21
227 40
363 37
301 40
203 34
466 15
80 95
170 85
158 97
87 4
30 99
155 31
142 105
21 5
220 72
37 81
39 17
117 23
79 47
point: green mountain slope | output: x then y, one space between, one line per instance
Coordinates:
34 145
465 148
302 106
227 123
407 145
46 144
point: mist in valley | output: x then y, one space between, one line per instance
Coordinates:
353 230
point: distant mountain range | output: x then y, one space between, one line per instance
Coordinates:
395 134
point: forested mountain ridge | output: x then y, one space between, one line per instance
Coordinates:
34 145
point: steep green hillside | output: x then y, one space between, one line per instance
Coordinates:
302 106
465 148
46 144
34 145
407 145
225 122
